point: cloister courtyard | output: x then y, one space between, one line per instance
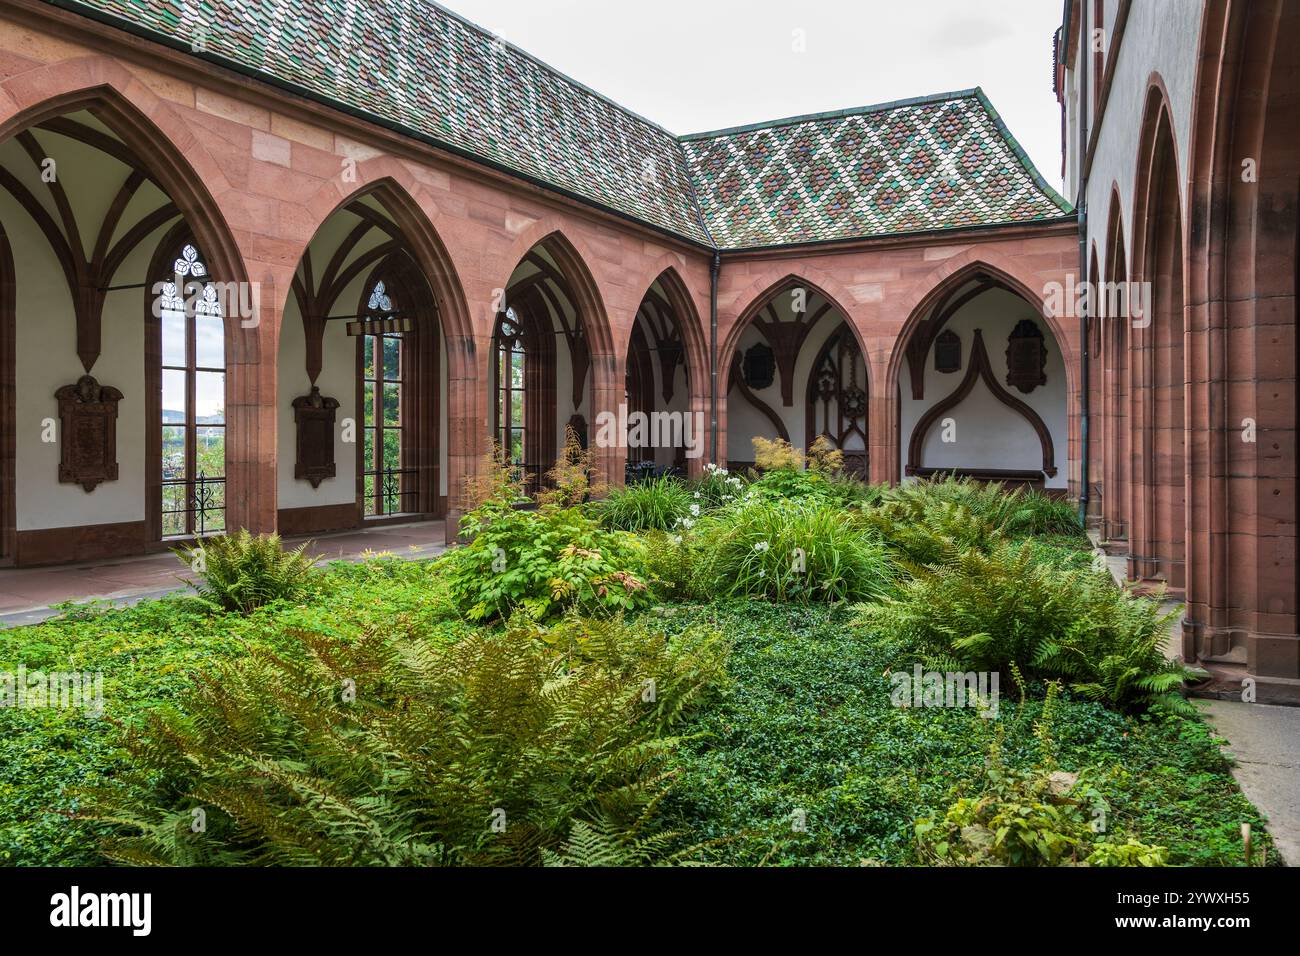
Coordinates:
411 456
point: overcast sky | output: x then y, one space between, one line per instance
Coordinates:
695 65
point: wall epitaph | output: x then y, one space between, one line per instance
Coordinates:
1026 357
760 367
314 414
947 352
88 417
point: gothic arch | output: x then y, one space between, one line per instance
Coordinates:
1159 495
980 368
955 273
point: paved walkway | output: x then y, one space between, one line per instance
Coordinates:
26 594
1265 740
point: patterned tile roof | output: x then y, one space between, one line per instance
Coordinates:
944 162
940 162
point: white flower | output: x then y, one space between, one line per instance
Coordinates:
695 510
761 546
677 539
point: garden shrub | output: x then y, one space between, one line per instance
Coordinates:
542 561
1017 606
673 565
791 551
657 504
243 571
920 533
531 728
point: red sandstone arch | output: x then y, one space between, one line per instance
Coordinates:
760 292
186 172
394 186
945 280
1242 282
1159 466
391 183
146 123
606 369
955 273
832 293
1115 385
695 350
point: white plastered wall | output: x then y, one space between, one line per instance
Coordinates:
46 339
989 435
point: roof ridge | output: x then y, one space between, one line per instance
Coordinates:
833 114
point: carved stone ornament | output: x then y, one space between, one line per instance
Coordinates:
314 416
88 417
1026 357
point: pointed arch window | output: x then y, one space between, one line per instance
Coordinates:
385 487
510 388
192 382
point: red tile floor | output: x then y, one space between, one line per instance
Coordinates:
27 594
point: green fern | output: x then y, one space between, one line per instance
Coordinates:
392 750
242 571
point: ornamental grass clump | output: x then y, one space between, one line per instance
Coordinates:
655 505
791 550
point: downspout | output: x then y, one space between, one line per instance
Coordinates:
713 356
1084 275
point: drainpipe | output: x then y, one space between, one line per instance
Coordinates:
713 356
1084 275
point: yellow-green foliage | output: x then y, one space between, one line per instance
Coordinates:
394 750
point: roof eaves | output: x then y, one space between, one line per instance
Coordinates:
1070 216
1028 164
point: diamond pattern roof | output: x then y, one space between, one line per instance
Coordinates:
943 162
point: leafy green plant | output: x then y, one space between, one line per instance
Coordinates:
1030 816
922 519
673 564
392 750
243 571
658 504
543 562
1014 606
922 532
792 551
